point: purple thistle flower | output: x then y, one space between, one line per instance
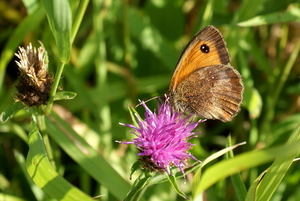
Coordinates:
162 138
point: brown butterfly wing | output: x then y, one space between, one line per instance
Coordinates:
212 92
194 56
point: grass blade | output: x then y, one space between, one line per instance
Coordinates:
87 157
278 169
43 174
60 20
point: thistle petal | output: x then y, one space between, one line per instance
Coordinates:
162 138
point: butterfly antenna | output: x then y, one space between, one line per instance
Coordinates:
149 99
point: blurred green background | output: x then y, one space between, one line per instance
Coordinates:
126 50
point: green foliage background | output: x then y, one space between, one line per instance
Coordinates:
127 50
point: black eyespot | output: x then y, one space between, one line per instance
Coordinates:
204 48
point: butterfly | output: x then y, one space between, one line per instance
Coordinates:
204 83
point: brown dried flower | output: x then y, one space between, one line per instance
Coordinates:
35 82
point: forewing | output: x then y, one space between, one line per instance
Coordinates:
193 58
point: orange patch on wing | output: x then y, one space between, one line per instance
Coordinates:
194 59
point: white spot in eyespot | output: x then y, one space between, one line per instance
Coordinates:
212 77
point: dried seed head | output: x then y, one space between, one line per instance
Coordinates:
35 82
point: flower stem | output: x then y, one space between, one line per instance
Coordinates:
78 18
54 87
40 121
77 21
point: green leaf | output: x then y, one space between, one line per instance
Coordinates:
43 174
195 184
31 5
174 183
64 95
220 153
38 193
87 157
291 14
236 179
279 168
197 179
139 187
60 20
241 162
10 111
134 115
160 178
136 166
251 195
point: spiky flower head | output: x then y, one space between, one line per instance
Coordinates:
34 80
162 138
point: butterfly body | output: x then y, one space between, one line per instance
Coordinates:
203 82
